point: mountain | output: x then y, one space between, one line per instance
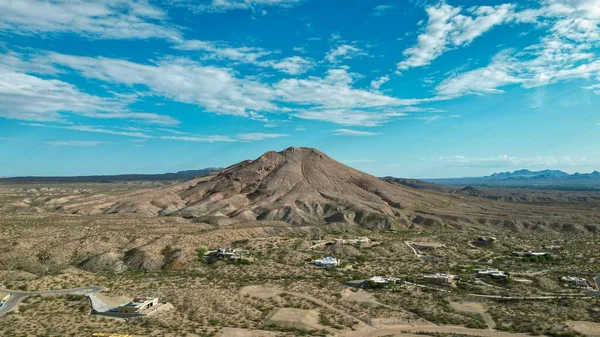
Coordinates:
297 185
550 179
178 176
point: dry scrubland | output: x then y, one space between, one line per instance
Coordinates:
43 248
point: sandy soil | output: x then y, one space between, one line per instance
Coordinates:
113 301
475 308
586 328
359 296
260 292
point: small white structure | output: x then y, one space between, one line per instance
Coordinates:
138 305
530 253
491 272
327 262
439 278
384 280
574 281
352 241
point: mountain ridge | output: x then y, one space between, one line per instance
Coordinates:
174 176
551 179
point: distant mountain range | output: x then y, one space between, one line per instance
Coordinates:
552 179
178 176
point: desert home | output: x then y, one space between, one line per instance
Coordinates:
484 241
352 241
439 278
491 272
327 262
574 281
530 253
138 305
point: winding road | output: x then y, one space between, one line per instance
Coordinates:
17 296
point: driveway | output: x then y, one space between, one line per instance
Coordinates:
17 296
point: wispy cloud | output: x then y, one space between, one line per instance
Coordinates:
246 137
27 97
229 5
350 117
349 132
100 19
218 90
75 143
199 139
377 83
343 52
382 10
507 161
449 28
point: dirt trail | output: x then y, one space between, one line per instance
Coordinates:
448 329
367 330
475 308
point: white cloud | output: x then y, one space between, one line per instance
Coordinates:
293 65
199 139
382 10
595 88
75 143
567 51
215 89
248 137
228 5
219 91
100 19
447 29
27 97
222 51
343 52
92 129
482 80
377 83
349 117
349 132
507 161
333 91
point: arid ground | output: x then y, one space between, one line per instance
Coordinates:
138 239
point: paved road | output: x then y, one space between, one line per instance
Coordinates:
17 296
97 304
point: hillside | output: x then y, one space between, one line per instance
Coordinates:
297 185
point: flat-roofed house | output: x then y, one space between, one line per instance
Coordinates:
138 305
439 278
575 281
327 262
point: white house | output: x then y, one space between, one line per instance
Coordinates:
439 278
574 281
327 262
491 272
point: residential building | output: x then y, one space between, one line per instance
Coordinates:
484 241
439 278
138 305
529 253
352 241
575 281
491 272
327 262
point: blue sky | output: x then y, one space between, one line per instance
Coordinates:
417 88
